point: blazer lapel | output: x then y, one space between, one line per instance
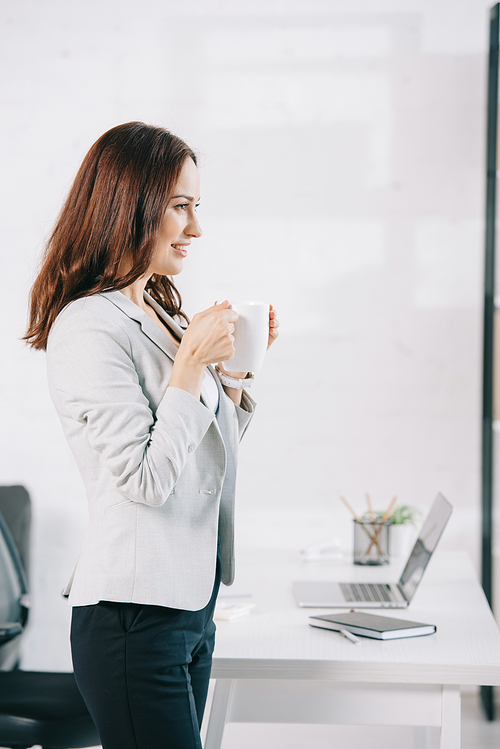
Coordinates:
149 328
171 323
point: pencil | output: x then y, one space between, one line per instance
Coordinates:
385 517
370 508
356 516
349 636
389 509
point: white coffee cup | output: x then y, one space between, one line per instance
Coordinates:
251 337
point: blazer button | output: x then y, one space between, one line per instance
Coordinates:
190 448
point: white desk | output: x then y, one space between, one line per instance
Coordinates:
271 667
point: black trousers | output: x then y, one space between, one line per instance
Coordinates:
143 671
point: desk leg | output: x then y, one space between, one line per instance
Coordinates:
450 718
221 704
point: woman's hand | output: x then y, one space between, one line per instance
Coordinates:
208 338
273 326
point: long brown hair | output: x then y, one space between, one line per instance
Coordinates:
114 209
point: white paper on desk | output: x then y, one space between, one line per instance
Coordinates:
230 592
328 550
225 611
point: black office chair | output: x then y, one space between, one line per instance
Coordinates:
13 599
35 707
15 506
43 708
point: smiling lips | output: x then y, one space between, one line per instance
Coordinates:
181 249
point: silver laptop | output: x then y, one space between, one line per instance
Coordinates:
324 594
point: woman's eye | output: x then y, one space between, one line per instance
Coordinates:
183 206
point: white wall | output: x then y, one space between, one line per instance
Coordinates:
342 167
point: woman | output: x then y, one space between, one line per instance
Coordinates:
153 430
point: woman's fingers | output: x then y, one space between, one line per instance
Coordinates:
217 307
210 333
273 325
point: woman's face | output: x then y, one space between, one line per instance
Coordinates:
179 225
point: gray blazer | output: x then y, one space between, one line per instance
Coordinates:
159 467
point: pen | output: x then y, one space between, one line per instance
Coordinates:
349 636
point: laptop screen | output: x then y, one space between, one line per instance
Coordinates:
425 544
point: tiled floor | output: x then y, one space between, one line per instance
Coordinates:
477 733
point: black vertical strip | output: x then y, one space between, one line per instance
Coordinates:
489 300
489 315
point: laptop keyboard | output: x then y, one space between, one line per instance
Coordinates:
376 592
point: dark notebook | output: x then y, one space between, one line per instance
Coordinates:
372 625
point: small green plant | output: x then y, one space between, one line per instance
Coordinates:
405 515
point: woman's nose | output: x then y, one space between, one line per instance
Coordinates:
194 228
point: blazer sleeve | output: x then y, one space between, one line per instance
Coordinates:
93 381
